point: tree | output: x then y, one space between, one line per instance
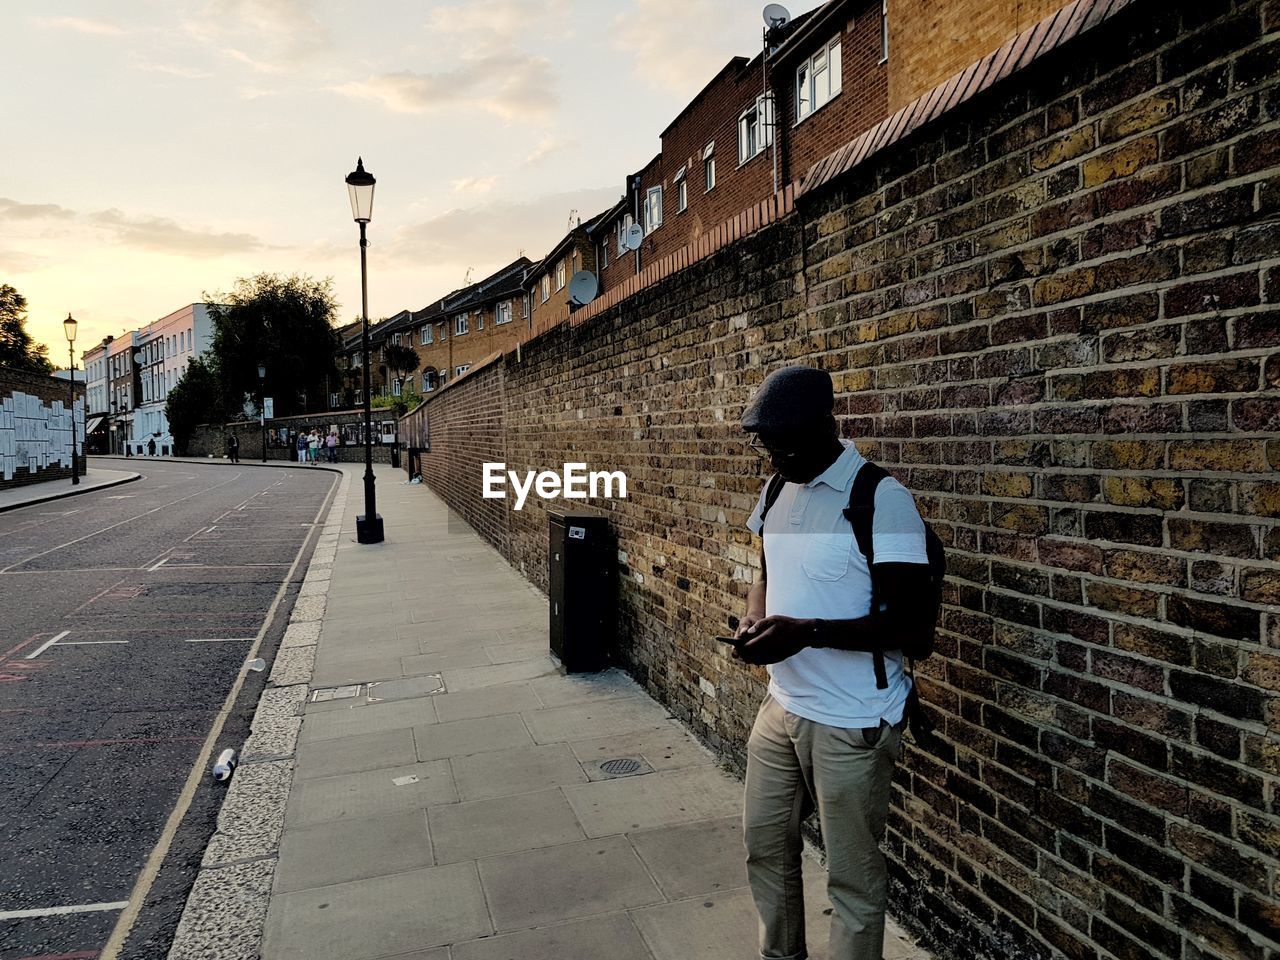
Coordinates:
284 323
194 399
401 360
17 349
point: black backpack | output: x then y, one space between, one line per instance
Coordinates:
861 513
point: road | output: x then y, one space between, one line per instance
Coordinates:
125 617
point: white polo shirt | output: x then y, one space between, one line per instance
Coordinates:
815 569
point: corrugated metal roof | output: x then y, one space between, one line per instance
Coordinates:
1015 54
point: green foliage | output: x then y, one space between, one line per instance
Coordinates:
17 349
408 399
194 399
285 323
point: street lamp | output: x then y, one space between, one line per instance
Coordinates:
360 186
69 327
262 407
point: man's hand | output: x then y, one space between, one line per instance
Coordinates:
771 639
745 625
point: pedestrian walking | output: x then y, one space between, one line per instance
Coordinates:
233 448
829 732
331 445
151 447
313 443
301 446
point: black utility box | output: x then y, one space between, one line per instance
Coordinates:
583 596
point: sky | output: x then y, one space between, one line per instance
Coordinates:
157 150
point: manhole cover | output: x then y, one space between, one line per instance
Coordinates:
326 694
621 767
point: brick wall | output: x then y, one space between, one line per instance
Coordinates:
1053 315
210 439
930 41
35 431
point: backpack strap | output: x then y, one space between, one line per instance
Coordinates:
771 492
861 515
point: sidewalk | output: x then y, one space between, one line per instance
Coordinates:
95 478
450 794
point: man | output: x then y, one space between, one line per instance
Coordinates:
827 736
151 447
233 448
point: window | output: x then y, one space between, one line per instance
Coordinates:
461 369
884 30
709 166
682 190
479 319
546 287
395 387
604 255
653 209
428 381
395 338
524 306
461 324
560 275
755 128
623 226
818 79
444 329
191 344
424 336
503 313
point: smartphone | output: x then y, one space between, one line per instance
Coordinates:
732 641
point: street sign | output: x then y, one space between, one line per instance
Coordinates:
269 407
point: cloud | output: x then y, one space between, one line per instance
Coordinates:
161 235
186 73
547 147
499 22
15 210
512 86
270 36
475 184
14 262
80 25
494 233
676 45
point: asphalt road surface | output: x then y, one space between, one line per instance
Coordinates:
125 617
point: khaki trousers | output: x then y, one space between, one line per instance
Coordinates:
793 765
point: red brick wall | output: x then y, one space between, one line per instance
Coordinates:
1053 315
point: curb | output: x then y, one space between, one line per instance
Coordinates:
226 912
71 493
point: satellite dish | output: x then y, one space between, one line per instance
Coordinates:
583 288
137 357
633 237
776 15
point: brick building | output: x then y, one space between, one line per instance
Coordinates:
1047 291
546 289
348 391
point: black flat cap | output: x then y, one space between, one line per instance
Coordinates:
790 398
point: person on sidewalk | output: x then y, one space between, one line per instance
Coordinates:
331 445
233 448
313 443
302 447
827 735
151 447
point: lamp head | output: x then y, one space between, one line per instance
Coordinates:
69 328
262 371
360 186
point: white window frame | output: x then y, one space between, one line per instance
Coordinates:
524 306
428 381
623 224
503 312
461 324
395 386
819 80
652 209
460 369
560 274
480 319
682 190
546 287
426 334
755 129
709 167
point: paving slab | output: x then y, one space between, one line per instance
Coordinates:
353 849
665 747
486 702
352 754
602 718
659 799
461 738
369 793
471 678
565 882
614 937
485 828
395 914
361 717
705 856
523 770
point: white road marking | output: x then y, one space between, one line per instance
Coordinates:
88 643
220 640
46 645
60 911
157 566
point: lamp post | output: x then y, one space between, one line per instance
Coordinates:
69 327
262 407
360 186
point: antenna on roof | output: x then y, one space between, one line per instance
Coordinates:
466 280
776 15
572 213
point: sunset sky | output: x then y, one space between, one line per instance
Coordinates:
158 150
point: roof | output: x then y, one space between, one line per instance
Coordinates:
803 28
1015 54
504 282
581 231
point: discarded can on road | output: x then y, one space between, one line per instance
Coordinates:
225 763
257 665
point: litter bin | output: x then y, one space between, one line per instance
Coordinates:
583 599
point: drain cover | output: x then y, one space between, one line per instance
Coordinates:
621 767
326 694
